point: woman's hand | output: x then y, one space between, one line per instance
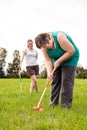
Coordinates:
56 64
19 66
50 77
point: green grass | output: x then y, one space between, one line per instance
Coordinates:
16 107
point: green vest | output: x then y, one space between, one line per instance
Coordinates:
57 52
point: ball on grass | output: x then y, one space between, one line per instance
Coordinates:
40 109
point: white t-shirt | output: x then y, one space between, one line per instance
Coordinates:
31 57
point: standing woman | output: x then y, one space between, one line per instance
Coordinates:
31 64
62 54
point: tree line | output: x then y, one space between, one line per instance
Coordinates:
12 69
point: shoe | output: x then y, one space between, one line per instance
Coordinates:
66 106
52 104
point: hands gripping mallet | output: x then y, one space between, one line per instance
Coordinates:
39 108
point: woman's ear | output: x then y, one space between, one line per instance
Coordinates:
50 34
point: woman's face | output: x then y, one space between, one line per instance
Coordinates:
49 45
29 44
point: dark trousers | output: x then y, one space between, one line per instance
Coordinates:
63 82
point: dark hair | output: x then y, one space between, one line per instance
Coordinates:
42 39
29 40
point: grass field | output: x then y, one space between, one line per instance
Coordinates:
16 107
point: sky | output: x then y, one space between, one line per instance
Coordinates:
21 20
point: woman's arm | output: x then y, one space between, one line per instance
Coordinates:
48 61
67 47
36 55
22 58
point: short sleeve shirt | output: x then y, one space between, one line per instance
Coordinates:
31 57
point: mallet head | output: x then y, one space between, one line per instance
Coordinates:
39 108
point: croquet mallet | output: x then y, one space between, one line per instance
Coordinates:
39 108
20 80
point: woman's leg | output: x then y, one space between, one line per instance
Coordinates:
67 83
33 83
32 72
56 86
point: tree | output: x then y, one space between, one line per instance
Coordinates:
43 73
3 54
13 69
24 74
81 72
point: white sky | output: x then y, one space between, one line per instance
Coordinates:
24 19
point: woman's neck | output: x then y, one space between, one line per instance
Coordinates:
31 49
